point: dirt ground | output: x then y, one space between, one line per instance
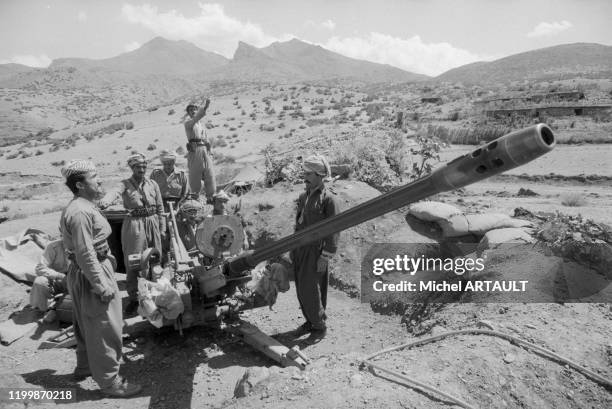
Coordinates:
201 368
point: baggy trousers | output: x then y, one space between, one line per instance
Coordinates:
97 325
200 167
138 234
310 285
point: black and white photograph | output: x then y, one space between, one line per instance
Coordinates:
238 204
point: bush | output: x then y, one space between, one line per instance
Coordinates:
219 143
39 152
279 168
573 200
58 163
220 158
171 112
428 152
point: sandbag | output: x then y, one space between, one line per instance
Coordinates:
430 211
266 282
478 224
507 235
158 300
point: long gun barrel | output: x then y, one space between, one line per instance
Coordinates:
502 154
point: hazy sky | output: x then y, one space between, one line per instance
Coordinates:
422 36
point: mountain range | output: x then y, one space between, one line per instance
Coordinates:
293 61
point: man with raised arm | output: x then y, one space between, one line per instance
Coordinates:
199 159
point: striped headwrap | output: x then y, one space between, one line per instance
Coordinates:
221 196
317 164
167 156
136 159
192 207
78 167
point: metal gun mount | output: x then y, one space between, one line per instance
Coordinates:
211 279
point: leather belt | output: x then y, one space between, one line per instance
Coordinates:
193 143
144 211
102 251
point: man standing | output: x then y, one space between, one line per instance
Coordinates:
172 182
199 160
91 282
51 271
311 261
145 224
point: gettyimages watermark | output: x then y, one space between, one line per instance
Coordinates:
465 272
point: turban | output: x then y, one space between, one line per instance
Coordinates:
136 159
78 167
191 207
221 196
166 156
317 164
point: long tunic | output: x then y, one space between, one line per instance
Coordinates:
199 160
97 324
311 286
172 186
138 233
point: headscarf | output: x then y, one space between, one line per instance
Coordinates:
222 196
317 164
192 207
136 159
167 156
78 167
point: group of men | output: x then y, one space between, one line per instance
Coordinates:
84 254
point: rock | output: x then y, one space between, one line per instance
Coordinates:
486 324
526 192
531 326
509 358
356 381
513 328
249 380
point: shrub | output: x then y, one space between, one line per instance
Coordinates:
573 199
171 112
39 152
279 168
428 152
219 143
58 163
220 158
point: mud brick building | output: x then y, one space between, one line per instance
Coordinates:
595 111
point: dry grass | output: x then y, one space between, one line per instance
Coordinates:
573 200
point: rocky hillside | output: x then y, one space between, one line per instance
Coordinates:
558 62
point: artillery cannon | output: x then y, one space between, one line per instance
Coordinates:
213 284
